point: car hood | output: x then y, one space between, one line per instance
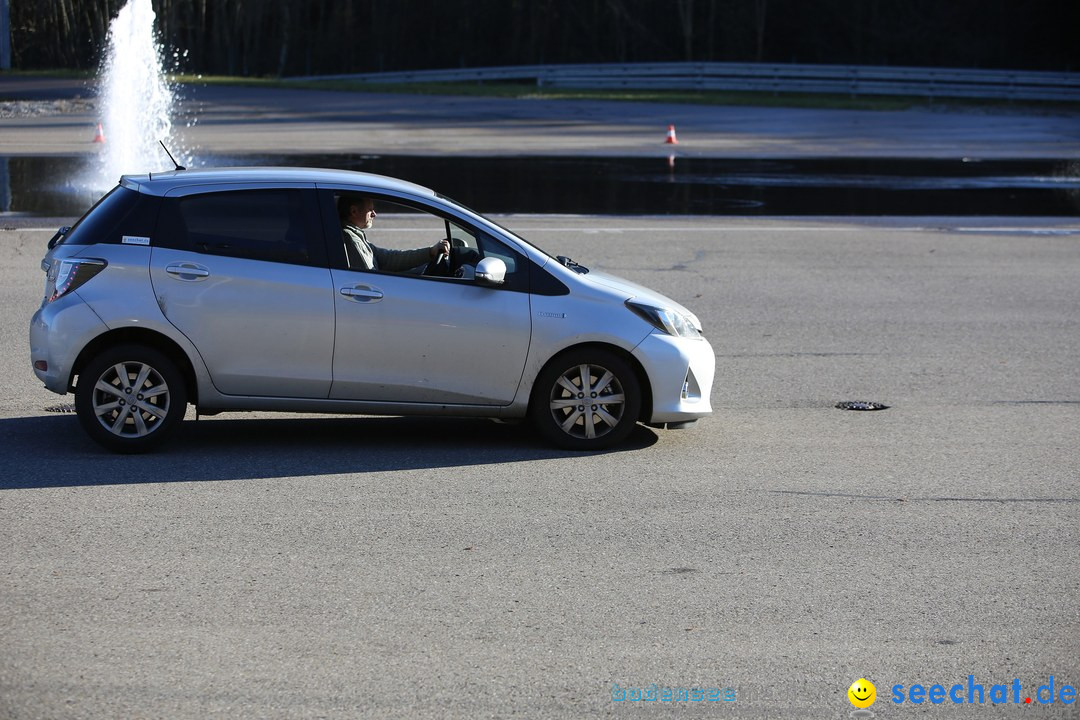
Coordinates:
639 293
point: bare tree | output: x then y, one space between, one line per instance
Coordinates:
761 14
281 37
686 24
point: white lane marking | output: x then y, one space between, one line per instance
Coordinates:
595 231
1018 230
729 228
721 228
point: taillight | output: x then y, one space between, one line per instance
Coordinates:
68 275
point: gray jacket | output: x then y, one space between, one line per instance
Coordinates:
365 256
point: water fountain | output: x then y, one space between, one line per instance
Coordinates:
135 100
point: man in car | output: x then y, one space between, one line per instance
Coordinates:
357 214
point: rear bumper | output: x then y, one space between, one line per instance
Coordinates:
681 372
58 331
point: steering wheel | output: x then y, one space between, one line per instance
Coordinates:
440 266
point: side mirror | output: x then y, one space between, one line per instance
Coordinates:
491 271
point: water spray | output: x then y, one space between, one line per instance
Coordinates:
135 100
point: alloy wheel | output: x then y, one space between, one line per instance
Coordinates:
587 401
131 399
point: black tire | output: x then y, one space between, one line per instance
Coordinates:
107 394
596 417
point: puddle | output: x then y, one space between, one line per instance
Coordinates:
49 186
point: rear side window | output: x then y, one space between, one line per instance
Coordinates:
122 212
271 225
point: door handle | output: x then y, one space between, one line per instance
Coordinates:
187 271
362 293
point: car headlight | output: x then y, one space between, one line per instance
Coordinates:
665 319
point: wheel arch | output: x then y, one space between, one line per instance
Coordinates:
642 377
141 336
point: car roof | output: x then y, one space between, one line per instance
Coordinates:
161 183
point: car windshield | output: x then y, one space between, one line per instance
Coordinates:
562 259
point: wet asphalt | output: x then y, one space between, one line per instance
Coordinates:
219 121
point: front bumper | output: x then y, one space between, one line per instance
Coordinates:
681 372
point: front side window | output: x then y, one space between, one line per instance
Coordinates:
271 225
380 235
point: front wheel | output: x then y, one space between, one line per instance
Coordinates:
130 398
586 399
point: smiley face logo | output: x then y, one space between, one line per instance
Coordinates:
862 693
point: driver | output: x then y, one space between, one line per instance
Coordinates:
356 214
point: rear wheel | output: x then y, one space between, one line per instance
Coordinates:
130 398
587 399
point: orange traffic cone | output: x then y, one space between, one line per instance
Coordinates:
671 139
99 136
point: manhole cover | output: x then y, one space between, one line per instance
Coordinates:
860 405
62 408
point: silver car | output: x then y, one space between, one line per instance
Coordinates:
237 290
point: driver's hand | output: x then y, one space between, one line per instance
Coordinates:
440 248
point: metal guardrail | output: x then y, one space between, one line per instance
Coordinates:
757 77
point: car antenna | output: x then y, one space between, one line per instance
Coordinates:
178 165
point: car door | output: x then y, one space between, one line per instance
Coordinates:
405 337
241 271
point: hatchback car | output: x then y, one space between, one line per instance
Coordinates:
237 290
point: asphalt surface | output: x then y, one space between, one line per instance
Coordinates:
273 566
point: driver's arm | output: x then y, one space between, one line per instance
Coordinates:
402 260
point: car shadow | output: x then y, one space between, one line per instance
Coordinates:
53 451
